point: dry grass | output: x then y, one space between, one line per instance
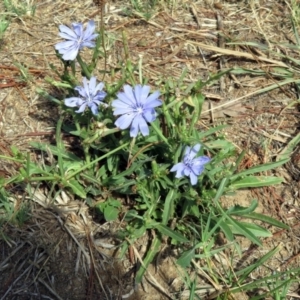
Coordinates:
62 253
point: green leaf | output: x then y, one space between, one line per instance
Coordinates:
55 151
255 181
154 248
77 188
239 228
186 257
169 206
260 168
171 233
130 215
111 213
288 150
227 231
240 210
244 273
266 219
256 230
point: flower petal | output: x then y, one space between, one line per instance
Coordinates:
82 107
124 121
92 85
87 44
196 148
64 45
134 128
128 93
81 91
78 29
99 86
120 104
149 115
153 101
70 54
90 28
123 111
73 101
141 93
179 169
94 108
66 30
187 171
198 164
86 86
139 124
193 178
99 96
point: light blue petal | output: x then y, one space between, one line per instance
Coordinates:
187 151
88 45
193 178
197 167
67 37
100 87
86 86
90 28
179 169
99 96
68 31
196 148
128 92
198 164
92 85
142 125
141 93
124 121
81 91
70 54
134 128
123 111
95 101
93 36
202 160
120 104
178 166
124 98
64 45
78 29
153 101
94 109
81 108
187 171
73 101
193 151
149 115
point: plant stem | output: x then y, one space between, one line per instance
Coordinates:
84 67
87 166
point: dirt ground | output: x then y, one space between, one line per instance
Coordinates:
62 252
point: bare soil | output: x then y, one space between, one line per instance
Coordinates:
61 252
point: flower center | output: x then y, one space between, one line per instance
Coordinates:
187 161
139 110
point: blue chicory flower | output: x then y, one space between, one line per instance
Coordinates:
91 96
76 39
191 166
136 108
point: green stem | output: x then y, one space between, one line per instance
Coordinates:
45 178
60 145
11 159
160 134
84 67
87 166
